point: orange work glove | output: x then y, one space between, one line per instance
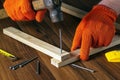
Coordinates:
21 10
95 30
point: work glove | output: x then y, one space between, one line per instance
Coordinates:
95 30
21 10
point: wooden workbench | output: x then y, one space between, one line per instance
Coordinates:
48 32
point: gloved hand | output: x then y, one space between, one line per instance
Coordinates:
21 10
95 30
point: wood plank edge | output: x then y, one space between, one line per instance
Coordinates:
31 41
73 10
3 14
74 58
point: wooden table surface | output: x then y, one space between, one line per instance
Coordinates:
48 32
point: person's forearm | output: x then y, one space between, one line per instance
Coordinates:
113 4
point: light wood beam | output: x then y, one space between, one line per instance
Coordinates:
75 54
51 50
37 44
3 14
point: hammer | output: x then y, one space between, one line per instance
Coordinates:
53 6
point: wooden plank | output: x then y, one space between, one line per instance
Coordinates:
37 44
75 55
73 11
3 14
50 49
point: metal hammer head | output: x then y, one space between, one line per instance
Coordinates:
54 7
55 11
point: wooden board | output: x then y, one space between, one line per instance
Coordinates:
75 55
48 49
98 62
37 44
3 14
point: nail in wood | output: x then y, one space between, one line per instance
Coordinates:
60 35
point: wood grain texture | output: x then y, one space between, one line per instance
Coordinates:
37 44
3 14
52 51
47 32
75 54
49 72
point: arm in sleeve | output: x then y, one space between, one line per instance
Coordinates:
113 4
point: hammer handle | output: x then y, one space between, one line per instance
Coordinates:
38 4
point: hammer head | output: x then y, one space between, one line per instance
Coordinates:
54 7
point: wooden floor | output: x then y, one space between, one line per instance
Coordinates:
48 32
